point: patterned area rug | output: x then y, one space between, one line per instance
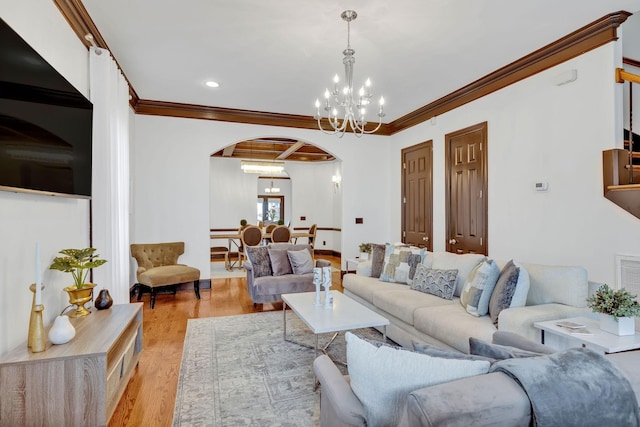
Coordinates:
238 371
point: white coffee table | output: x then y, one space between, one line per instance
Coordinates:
345 315
599 340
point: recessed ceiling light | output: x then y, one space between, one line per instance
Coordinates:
212 84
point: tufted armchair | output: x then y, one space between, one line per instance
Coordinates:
158 268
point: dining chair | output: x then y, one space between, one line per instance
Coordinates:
312 234
281 234
250 236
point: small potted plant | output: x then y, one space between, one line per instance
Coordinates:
78 262
365 250
617 310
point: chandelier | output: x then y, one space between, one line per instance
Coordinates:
353 105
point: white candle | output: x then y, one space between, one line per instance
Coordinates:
38 278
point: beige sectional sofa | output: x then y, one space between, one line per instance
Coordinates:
554 292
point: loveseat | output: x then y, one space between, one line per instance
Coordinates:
491 399
280 268
551 292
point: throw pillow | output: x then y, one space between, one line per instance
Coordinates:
441 283
477 291
301 262
260 261
377 259
400 262
382 377
280 264
506 293
498 352
432 350
518 341
464 263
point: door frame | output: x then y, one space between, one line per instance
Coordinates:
482 129
429 212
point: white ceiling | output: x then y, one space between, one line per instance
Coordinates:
279 56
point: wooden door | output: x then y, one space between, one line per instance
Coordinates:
417 195
466 190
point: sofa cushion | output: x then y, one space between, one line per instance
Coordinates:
441 283
301 261
260 261
402 302
451 324
377 259
365 287
434 351
464 263
514 340
497 351
557 284
477 291
382 377
280 264
510 291
400 262
287 284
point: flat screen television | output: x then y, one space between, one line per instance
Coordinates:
45 124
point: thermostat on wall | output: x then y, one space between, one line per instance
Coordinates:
542 186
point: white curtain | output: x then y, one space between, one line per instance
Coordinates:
110 180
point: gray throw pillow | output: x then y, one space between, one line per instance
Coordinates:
514 340
377 259
280 264
504 290
498 352
441 283
301 262
260 261
434 351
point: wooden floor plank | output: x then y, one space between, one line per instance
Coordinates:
150 396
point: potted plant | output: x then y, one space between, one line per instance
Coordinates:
365 250
617 310
78 262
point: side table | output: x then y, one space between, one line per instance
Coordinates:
598 340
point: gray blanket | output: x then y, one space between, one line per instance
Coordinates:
577 387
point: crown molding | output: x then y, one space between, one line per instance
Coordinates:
580 41
589 37
82 24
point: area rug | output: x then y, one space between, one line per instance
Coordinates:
238 371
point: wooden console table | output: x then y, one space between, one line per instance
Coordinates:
78 383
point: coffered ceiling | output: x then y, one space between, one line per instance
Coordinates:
278 57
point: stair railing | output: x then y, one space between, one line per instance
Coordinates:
621 77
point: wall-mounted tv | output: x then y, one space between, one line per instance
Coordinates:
45 124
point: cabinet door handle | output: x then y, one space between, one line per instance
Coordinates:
453 241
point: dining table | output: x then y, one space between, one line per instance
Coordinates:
234 239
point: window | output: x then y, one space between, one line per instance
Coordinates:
270 210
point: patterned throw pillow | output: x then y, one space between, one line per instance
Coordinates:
441 283
260 261
510 291
400 263
477 291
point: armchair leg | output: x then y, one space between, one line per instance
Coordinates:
153 297
196 288
139 291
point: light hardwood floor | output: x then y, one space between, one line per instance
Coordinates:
150 395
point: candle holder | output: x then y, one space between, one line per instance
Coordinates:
34 316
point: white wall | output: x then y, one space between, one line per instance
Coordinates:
172 182
57 223
541 132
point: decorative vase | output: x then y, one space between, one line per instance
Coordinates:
62 330
79 297
103 300
623 326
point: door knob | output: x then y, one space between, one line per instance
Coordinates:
453 241
425 238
